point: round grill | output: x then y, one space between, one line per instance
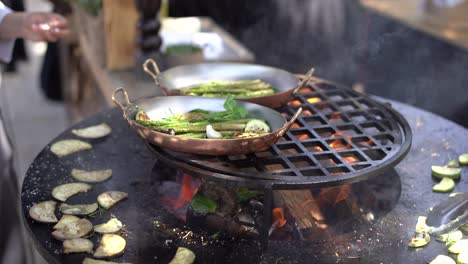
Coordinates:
341 137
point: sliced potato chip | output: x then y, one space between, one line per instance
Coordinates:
44 212
96 261
183 256
91 176
111 245
108 199
65 191
68 146
77 245
58 234
66 219
111 226
77 229
78 209
96 131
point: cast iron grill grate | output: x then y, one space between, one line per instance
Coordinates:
341 137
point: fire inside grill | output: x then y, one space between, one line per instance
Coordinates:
302 188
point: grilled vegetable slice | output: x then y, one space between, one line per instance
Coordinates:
256 126
111 245
183 256
68 146
91 176
78 209
443 171
44 212
96 131
96 261
58 234
453 164
445 185
420 240
77 245
463 257
421 225
77 229
111 226
463 159
459 246
451 236
442 259
66 219
65 191
108 199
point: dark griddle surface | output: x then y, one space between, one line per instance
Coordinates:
384 240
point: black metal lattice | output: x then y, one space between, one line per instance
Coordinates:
341 137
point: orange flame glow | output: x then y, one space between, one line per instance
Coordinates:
278 217
351 159
295 103
334 117
188 190
305 90
314 100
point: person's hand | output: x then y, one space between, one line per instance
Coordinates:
36 26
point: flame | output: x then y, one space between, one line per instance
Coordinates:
190 186
338 144
307 112
278 217
303 137
318 148
295 103
334 117
314 100
295 125
351 159
334 195
305 90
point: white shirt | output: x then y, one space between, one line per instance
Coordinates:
6 46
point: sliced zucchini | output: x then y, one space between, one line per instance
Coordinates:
108 199
453 164
463 257
96 261
451 236
44 212
111 245
78 245
91 176
111 226
442 259
421 225
58 234
96 131
78 209
65 191
68 146
443 171
77 229
256 126
463 159
420 240
183 256
459 246
445 185
66 219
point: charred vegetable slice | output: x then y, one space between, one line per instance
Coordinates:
96 261
77 245
459 246
66 219
65 191
78 209
451 236
68 146
77 229
445 185
44 212
463 159
111 226
111 245
58 234
463 257
108 199
91 176
96 131
421 225
442 259
443 171
256 126
183 256
420 240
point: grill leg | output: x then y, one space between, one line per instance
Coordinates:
267 221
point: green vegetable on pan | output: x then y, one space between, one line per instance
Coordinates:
420 240
445 185
237 89
463 159
444 171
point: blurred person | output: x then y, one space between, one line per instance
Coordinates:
34 26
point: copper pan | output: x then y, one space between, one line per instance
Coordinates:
160 107
174 79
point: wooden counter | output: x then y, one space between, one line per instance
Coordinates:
410 12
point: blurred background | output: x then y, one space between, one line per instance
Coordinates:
413 51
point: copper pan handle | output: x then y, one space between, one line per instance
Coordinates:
154 72
305 80
289 123
121 105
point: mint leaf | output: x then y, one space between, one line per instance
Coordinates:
230 104
203 204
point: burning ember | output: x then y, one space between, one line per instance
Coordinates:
278 217
314 100
189 187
